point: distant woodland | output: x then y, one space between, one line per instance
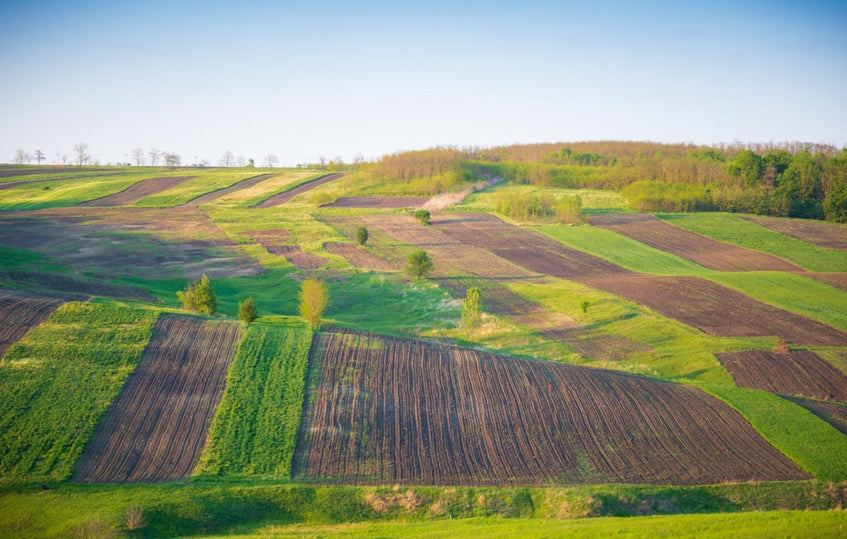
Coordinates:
790 179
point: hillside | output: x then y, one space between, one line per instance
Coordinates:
626 362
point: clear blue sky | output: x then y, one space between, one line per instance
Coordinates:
310 78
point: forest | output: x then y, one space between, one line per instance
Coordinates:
790 179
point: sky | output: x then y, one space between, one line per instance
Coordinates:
311 79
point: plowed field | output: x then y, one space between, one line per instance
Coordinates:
833 413
63 284
273 242
788 373
21 311
391 410
156 428
285 196
137 191
359 257
838 280
214 195
830 235
378 202
686 244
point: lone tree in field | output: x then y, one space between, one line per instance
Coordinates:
423 216
314 297
418 263
362 235
247 311
199 297
472 308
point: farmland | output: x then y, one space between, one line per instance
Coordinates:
626 364
390 410
157 427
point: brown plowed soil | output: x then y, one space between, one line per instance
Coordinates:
833 413
214 195
718 310
156 428
838 280
359 257
788 373
20 312
274 242
285 196
832 235
686 244
378 202
63 284
137 191
400 411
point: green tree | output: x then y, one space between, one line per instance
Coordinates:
472 308
418 263
247 311
205 300
314 297
584 305
186 297
423 216
362 235
748 165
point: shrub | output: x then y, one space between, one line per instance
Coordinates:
418 263
423 216
247 311
472 308
314 297
199 297
362 235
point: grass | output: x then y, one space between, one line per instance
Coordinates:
59 379
224 510
205 182
792 292
284 180
621 250
256 425
69 192
815 445
593 200
732 228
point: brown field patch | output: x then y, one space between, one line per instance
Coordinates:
214 195
156 428
69 285
833 413
285 196
838 280
137 191
700 249
274 242
359 257
138 242
832 235
389 410
20 312
789 373
380 202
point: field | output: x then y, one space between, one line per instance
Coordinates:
789 373
699 249
68 285
829 235
285 196
20 312
214 195
378 202
156 428
138 191
389 410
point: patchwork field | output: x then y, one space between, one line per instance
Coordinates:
20 312
686 244
378 202
390 410
214 195
157 427
285 196
137 191
68 285
831 235
795 372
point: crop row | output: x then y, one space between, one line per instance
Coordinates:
20 312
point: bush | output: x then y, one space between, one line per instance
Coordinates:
247 311
199 297
418 263
314 297
423 216
362 235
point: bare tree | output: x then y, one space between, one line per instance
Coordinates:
271 160
39 156
171 159
138 156
242 162
154 156
82 156
20 155
227 159
64 159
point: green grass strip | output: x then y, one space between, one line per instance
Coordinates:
256 426
204 182
732 228
621 250
69 192
792 292
815 445
58 380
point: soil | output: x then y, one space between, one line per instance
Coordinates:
137 191
285 196
833 413
378 202
832 235
214 195
700 249
360 257
21 311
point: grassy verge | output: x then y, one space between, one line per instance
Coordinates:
815 445
170 510
59 379
791 292
255 429
731 228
